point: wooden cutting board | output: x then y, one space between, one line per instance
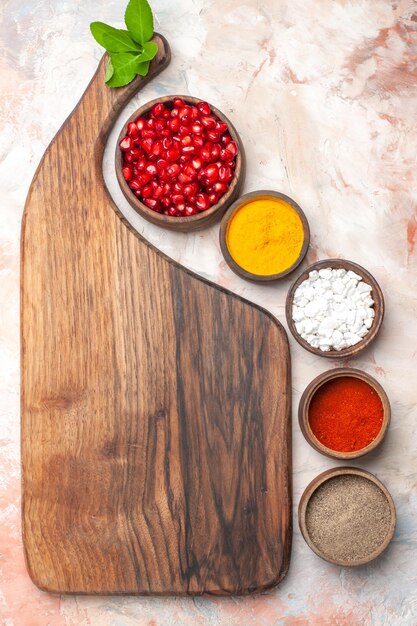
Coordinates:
155 405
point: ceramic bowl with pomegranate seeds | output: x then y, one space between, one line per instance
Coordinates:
180 162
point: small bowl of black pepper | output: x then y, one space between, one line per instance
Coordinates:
347 516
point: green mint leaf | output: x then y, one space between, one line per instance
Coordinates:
113 39
143 68
126 66
149 51
139 20
109 71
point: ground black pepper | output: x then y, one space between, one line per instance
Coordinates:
348 517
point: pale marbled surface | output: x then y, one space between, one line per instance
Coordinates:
324 95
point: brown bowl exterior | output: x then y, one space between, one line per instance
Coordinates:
253 195
304 406
191 222
315 484
379 308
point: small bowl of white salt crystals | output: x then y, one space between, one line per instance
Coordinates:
335 308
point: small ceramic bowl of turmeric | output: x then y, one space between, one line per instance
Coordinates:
264 236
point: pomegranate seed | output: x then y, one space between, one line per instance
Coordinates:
194 113
198 141
204 108
202 202
178 188
157 192
226 139
225 174
157 148
173 170
159 126
166 202
152 203
188 150
219 188
197 163
186 141
143 179
215 151
205 153
189 170
161 164
232 147
184 158
167 114
150 123
126 144
208 122
183 178
183 130
148 134
174 124
172 154
174 112
158 110
190 210
221 127
226 155
136 154
173 211
177 198
197 128
213 135
178 103
140 123
141 164
185 112
165 132
127 173
134 184
128 157
146 144
211 172
151 169
147 191
190 190
132 130
213 198
166 143
166 189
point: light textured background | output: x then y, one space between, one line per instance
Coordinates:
324 95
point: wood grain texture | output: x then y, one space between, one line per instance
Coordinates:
155 406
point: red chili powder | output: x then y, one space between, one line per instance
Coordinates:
346 414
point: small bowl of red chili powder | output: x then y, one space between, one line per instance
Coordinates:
344 413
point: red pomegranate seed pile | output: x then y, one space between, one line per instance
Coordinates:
179 160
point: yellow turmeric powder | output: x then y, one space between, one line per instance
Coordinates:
265 236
